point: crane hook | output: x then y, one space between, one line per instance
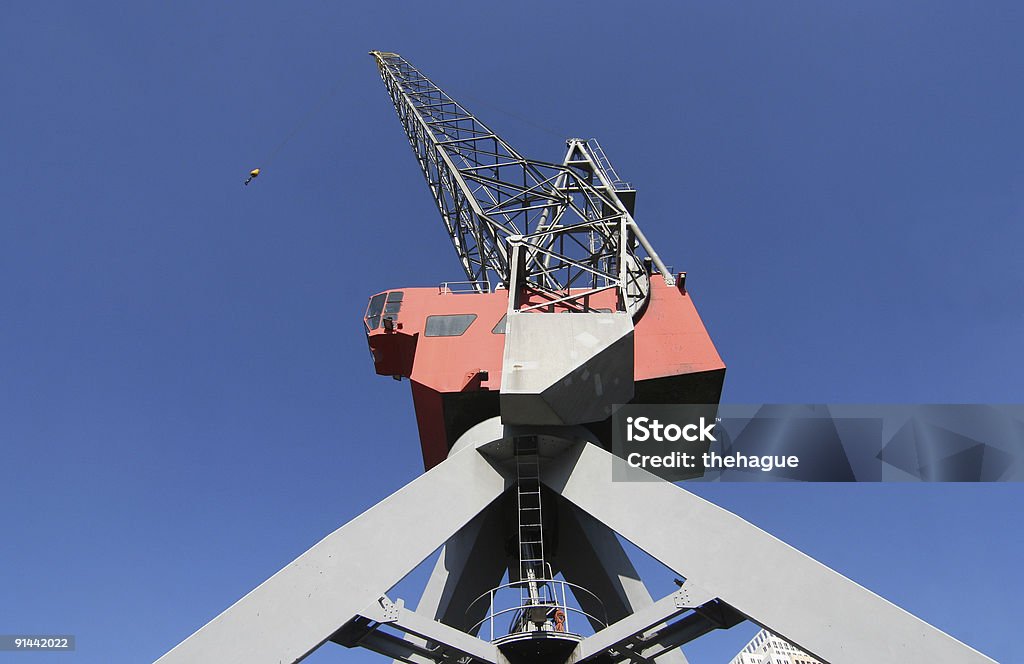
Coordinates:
253 174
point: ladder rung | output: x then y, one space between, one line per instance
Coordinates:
529 502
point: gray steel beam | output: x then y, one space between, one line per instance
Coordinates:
591 556
389 645
707 618
618 634
767 580
449 638
301 606
471 563
644 635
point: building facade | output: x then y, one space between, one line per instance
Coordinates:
766 648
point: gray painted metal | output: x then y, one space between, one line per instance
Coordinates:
471 563
727 562
625 630
712 616
300 607
410 622
769 581
591 371
591 556
397 649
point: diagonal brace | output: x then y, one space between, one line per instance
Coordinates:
617 635
384 611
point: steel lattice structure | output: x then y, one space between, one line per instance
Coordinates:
571 231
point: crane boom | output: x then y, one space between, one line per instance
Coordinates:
561 226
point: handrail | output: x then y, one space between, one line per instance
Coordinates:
444 288
551 587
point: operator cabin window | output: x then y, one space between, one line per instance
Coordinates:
388 304
454 325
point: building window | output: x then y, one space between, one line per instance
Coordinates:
454 325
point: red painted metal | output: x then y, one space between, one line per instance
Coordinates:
456 379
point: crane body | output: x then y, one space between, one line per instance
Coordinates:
456 372
552 254
567 313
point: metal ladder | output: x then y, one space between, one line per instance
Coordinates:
606 165
532 565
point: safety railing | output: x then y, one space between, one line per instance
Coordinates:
453 287
548 612
606 165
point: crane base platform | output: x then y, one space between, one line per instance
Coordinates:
539 647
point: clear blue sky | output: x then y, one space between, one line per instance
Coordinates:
186 398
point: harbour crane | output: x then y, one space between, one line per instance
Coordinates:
565 315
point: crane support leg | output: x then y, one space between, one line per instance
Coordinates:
590 556
732 570
768 581
471 563
303 605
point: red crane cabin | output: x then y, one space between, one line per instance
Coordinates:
449 345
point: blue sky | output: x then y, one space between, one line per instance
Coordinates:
187 402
